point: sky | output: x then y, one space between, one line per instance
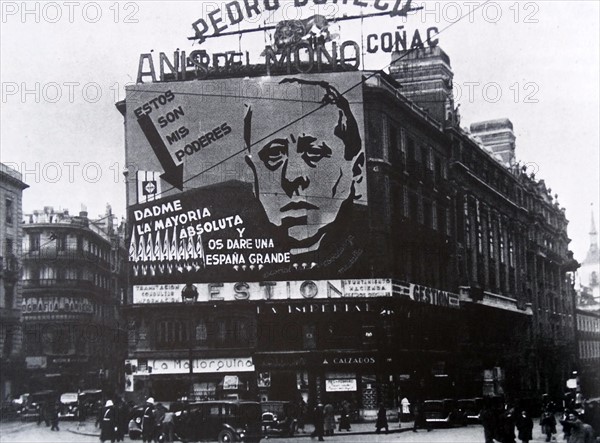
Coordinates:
63 65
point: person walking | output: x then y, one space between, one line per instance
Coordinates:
548 424
525 427
344 418
507 424
149 421
405 405
318 419
488 421
108 423
580 432
329 419
54 410
381 420
420 420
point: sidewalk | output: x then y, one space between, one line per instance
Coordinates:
88 428
364 429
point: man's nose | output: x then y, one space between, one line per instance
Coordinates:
293 176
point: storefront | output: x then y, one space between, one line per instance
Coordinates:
208 379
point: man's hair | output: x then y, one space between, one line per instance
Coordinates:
347 127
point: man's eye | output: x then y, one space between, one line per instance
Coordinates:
314 154
273 155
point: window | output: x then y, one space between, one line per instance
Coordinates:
10 209
9 247
34 241
171 333
61 242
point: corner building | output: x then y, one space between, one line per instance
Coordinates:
405 262
11 235
73 283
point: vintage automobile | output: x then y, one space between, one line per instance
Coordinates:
35 404
224 421
470 407
279 418
69 404
444 413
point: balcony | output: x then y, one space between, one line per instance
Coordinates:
62 283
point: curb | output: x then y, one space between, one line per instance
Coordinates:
83 432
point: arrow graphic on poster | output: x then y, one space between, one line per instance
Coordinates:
173 173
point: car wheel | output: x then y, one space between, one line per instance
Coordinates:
226 436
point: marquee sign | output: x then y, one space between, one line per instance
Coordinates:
269 290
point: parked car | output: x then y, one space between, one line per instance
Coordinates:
470 407
279 418
69 405
35 404
443 412
91 402
224 421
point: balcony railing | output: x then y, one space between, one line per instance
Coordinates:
52 282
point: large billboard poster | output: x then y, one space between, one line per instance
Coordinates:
247 178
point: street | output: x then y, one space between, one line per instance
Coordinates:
30 432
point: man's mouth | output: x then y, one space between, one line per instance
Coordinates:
292 206
288 222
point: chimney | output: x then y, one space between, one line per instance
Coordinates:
497 136
426 79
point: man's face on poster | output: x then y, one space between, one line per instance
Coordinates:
307 170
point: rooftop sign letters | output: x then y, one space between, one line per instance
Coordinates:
308 44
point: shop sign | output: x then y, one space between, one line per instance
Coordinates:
68 360
340 385
432 296
36 362
56 304
266 290
280 361
201 366
347 360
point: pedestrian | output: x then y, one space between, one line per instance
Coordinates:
328 419
381 420
525 427
108 423
488 421
168 427
405 405
420 419
507 423
318 419
54 410
149 421
344 417
548 424
122 412
301 415
580 432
